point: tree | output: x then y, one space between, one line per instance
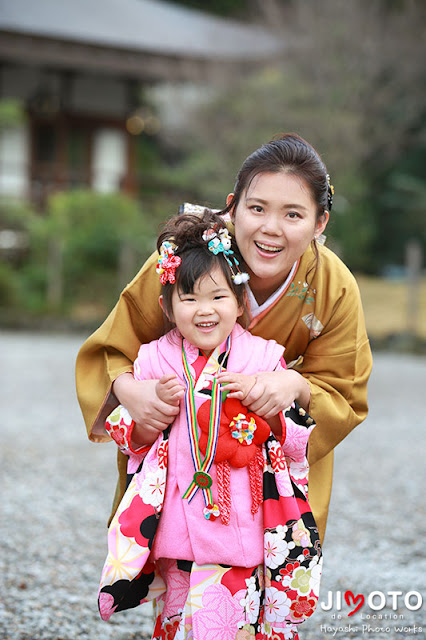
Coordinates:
351 81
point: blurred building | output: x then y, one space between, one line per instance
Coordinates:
79 67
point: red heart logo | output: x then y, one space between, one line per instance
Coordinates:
349 597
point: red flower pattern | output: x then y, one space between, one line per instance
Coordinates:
229 448
303 607
170 628
162 454
277 458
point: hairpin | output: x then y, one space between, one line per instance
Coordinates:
220 242
330 193
168 262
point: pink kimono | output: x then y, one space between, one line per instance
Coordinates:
253 574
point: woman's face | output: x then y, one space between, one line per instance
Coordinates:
275 221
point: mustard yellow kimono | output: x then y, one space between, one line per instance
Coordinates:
319 320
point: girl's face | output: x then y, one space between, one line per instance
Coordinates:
206 316
275 220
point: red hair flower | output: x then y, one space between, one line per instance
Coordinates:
167 263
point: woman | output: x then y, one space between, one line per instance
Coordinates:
300 294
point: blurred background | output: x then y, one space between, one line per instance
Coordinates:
110 119
112 114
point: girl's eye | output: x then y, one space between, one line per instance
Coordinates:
293 214
256 208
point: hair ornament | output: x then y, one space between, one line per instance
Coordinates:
167 263
330 193
218 242
221 242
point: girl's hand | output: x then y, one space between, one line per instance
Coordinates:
151 414
238 384
169 389
275 391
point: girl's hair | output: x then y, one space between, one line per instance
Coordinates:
293 155
186 232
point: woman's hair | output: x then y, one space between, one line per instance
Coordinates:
186 232
293 155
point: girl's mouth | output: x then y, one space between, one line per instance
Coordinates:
267 248
206 325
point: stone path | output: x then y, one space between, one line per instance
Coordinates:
56 489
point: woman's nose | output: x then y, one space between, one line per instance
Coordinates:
271 225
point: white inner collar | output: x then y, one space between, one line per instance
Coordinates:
255 308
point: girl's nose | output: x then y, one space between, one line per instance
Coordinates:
205 308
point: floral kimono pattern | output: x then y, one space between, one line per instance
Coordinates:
209 601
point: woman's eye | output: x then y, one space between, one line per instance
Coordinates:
293 214
256 208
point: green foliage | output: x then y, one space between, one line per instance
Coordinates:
76 249
10 293
91 230
12 113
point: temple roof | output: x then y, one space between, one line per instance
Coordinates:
144 26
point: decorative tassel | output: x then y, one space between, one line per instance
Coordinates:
223 473
256 480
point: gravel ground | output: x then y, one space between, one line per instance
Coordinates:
56 490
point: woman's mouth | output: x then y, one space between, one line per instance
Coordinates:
268 248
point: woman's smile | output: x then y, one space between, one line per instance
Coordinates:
275 221
268 248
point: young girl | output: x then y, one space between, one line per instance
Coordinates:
230 549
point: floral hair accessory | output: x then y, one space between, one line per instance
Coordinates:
220 242
167 263
330 193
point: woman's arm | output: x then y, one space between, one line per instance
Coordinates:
337 366
111 350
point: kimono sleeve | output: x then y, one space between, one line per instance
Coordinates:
337 365
111 350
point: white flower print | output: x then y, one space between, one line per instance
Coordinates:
289 632
153 488
251 605
276 550
277 605
316 568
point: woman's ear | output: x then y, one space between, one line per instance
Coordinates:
229 199
321 223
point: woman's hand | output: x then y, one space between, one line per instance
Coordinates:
275 391
151 414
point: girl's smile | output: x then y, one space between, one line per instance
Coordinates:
207 315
